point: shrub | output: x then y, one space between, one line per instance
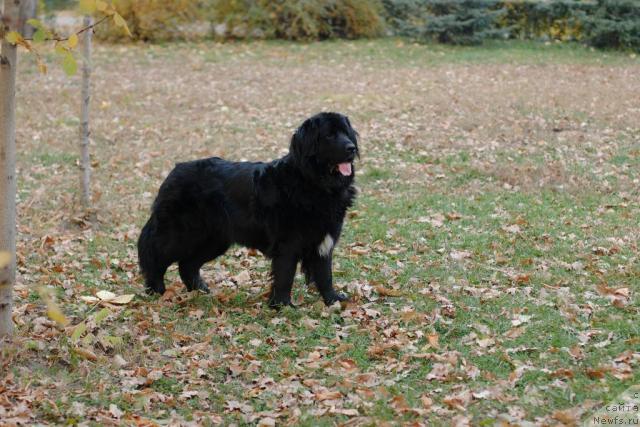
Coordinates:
613 24
298 19
153 20
446 21
600 23
465 22
556 20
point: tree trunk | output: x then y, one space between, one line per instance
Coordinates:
28 10
8 64
85 162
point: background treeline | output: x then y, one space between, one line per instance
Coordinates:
599 23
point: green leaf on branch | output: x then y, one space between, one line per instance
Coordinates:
69 64
36 23
39 36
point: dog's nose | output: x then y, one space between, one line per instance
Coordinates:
351 148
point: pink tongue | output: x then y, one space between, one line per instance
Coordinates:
345 169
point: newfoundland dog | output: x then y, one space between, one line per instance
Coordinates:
290 209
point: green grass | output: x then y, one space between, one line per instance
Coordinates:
391 52
495 252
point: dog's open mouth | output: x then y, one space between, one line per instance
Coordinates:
345 168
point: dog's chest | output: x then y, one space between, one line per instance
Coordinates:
325 247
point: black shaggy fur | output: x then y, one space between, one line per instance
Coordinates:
291 209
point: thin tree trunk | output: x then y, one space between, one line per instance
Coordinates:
85 162
8 64
28 10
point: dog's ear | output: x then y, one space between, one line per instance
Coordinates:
305 140
353 135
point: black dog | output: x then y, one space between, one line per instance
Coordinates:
291 209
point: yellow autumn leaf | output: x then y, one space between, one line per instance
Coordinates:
55 314
387 292
101 6
42 67
5 259
120 22
13 37
53 311
85 354
122 299
73 41
60 49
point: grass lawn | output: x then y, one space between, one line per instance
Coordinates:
491 260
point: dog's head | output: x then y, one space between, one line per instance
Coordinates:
326 146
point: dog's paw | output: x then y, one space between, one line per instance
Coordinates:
334 297
153 291
199 285
278 304
203 287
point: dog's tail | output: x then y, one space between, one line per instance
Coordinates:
147 258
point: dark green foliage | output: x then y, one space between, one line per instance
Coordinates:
465 22
601 23
556 20
613 24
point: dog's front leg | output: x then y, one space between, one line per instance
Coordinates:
319 268
283 269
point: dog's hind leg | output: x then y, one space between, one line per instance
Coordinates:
189 268
154 278
152 266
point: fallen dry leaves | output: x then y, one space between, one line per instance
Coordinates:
443 302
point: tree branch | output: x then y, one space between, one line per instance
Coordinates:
90 27
87 28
